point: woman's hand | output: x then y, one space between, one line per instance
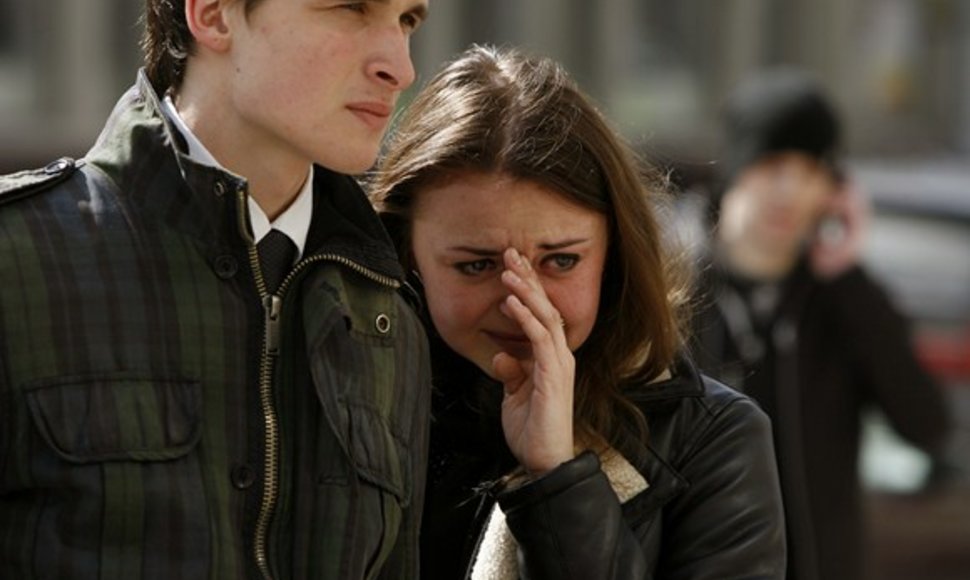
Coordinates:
537 411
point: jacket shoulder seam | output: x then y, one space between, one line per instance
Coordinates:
31 182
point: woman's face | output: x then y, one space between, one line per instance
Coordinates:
461 228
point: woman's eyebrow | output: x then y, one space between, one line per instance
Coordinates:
487 252
562 244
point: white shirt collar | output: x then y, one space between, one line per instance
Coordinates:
294 221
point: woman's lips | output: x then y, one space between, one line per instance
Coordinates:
516 345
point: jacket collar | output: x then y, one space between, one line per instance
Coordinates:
666 482
146 158
685 381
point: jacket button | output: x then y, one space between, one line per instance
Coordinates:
243 476
59 166
382 323
226 266
219 189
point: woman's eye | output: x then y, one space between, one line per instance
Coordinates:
475 266
563 262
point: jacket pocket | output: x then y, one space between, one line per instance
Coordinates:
378 457
117 417
362 406
355 349
113 460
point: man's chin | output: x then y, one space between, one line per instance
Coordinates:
349 162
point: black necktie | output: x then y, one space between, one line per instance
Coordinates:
276 252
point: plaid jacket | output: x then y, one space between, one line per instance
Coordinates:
161 416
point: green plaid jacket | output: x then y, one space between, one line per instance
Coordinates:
161 416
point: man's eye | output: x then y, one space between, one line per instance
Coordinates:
359 7
410 22
475 267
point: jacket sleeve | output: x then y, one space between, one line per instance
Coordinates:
729 523
878 337
569 525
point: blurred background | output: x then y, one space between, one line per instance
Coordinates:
899 70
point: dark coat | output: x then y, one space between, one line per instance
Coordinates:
161 416
824 354
712 509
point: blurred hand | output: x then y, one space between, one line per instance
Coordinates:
537 411
837 245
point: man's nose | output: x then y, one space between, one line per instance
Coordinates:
393 66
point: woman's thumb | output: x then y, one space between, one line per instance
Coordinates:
508 370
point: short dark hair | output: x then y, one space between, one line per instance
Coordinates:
778 110
167 41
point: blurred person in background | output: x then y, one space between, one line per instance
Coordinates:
207 369
571 439
787 314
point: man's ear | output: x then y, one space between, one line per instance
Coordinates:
207 22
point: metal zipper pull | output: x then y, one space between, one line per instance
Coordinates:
272 304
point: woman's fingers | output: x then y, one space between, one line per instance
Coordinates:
522 280
537 411
547 351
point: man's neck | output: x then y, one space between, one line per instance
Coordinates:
757 263
274 171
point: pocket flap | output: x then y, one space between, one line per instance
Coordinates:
377 456
117 418
353 370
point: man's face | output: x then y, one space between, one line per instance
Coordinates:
318 79
776 202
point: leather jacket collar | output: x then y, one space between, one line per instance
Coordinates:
650 457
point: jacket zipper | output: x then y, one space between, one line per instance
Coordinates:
272 309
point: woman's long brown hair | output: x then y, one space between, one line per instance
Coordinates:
500 111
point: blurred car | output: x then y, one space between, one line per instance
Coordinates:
918 244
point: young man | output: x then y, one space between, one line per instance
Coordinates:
207 369
794 321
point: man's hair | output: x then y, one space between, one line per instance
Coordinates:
779 110
168 43
497 111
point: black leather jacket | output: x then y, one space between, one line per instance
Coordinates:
712 510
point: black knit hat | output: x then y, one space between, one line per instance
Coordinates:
775 111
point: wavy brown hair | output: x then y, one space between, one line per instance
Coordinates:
168 43
500 111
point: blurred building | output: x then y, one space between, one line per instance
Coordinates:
63 64
899 68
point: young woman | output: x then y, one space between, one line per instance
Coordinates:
570 440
